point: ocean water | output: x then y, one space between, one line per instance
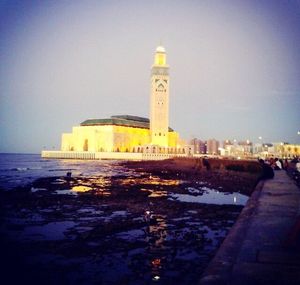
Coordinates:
22 169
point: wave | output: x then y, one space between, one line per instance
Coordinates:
20 169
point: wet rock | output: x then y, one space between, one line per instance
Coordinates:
112 233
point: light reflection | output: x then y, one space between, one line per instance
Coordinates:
211 197
157 194
156 278
81 188
156 235
151 181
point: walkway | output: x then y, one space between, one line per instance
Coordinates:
263 247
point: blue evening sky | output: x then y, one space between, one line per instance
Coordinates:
234 66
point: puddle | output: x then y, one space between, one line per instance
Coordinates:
58 181
65 192
211 197
194 190
158 194
151 180
187 255
50 231
118 214
132 235
37 189
81 188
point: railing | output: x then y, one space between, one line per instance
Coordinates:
68 154
107 155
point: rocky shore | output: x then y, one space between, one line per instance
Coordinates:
146 226
231 175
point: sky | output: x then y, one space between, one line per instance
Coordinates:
234 67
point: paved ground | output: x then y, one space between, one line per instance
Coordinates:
263 247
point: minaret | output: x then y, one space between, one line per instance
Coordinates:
159 99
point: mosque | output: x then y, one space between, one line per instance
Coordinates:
132 134
126 133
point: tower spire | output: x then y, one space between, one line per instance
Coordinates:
159 105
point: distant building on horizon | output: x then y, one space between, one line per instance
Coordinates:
276 149
212 146
198 145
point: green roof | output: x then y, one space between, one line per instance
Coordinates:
131 118
121 120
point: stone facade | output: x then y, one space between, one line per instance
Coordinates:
159 99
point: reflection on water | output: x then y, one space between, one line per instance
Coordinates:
211 196
65 192
158 194
150 180
81 188
50 231
33 189
156 235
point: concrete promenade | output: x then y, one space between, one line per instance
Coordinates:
263 247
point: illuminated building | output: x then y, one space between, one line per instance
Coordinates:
159 102
131 133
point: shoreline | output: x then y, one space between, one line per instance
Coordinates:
232 175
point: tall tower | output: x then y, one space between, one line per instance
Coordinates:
159 99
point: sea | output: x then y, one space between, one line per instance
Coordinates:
19 170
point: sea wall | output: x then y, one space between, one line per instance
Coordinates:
107 155
263 245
